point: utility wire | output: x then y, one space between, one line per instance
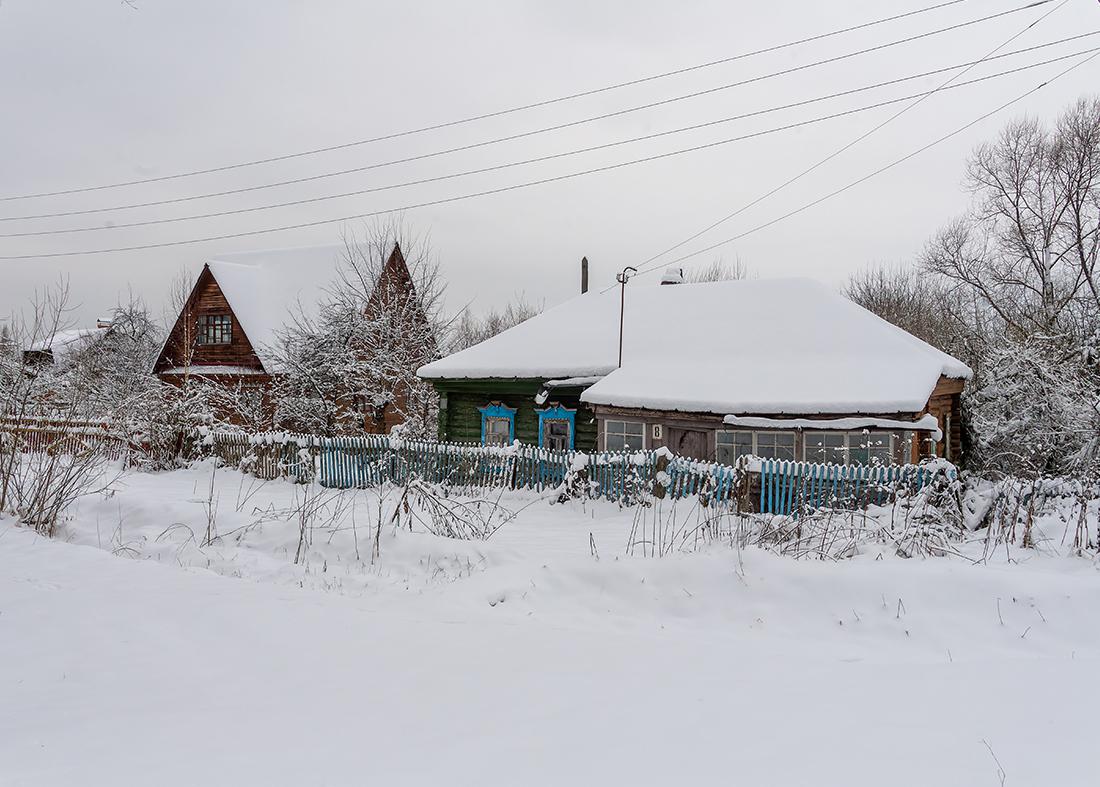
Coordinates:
991 55
878 171
513 187
511 110
435 179
485 143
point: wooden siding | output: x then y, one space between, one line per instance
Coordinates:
181 350
945 399
460 420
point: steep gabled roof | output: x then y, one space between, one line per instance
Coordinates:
767 346
265 289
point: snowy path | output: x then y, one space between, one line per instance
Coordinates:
122 672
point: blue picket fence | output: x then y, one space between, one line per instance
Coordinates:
788 487
785 487
349 462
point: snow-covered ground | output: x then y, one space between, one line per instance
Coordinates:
545 655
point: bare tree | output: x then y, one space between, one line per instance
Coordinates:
66 403
1011 288
919 302
1028 248
719 270
470 329
179 290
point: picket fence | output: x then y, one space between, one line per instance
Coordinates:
788 487
40 434
778 487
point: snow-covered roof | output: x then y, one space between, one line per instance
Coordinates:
213 371
266 289
64 343
748 347
66 338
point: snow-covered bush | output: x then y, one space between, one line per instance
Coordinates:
1033 409
69 407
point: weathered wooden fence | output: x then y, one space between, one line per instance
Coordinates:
789 487
767 485
38 434
771 486
371 460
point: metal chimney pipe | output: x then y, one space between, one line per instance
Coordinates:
584 275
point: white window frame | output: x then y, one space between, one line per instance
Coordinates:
608 421
755 441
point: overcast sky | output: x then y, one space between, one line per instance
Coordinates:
97 91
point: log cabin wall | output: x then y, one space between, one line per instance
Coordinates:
181 349
460 418
946 404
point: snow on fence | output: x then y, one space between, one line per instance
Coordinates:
38 434
778 487
370 460
788 487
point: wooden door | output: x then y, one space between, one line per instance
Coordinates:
692 443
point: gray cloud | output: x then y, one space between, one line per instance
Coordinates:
99 92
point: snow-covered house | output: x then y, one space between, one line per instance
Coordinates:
59 348
228 331
782 368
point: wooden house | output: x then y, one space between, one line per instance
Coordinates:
228 330
58 348
781 368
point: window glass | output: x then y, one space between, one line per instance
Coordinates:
903 448
555 434
624 435
857 448
214 329
732 445
826 447
775 445
878 447
498 431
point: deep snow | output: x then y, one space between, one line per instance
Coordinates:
524 659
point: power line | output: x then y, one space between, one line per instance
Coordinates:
646 137
514 187
423 156
526 134
502 112
878 171
644 265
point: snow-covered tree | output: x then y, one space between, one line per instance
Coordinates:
1011 288
352 367
1033 410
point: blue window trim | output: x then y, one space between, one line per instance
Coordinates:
497 410
559 413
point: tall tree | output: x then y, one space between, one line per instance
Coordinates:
352 368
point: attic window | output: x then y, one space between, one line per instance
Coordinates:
214 329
